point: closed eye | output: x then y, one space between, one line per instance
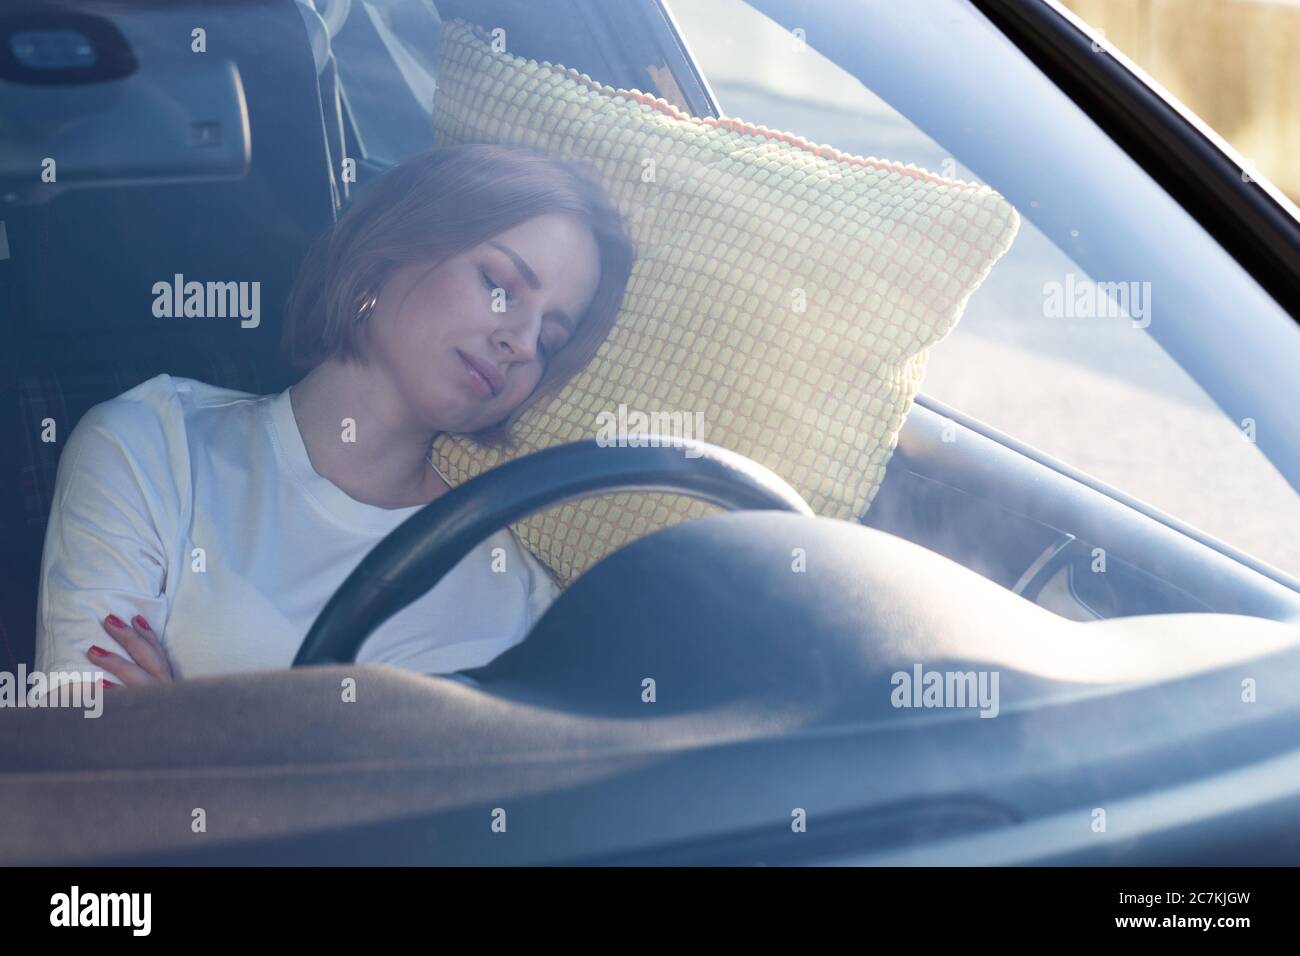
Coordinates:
546 350
549 350
492 285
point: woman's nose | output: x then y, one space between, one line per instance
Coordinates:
517 334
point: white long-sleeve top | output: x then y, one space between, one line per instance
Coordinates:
198 507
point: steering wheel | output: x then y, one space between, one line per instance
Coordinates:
417 554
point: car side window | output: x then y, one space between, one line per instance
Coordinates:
388 71
1042 352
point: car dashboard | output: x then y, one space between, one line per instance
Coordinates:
1055 536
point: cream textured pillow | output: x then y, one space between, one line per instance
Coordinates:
784 291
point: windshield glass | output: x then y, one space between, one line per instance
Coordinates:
1122 362
673 425
1107 430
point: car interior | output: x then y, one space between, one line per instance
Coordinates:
271 118
1007 512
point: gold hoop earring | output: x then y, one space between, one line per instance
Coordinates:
367 308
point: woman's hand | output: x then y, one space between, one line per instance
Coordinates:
148 662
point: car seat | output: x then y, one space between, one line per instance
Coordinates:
79 256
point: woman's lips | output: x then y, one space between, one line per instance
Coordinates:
481 384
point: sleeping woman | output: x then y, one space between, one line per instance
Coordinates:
197 530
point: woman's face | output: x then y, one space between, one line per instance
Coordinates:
505 307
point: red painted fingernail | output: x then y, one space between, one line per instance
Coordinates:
106 684
115 621
139 621
98 651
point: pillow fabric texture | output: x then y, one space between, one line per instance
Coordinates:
783 298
